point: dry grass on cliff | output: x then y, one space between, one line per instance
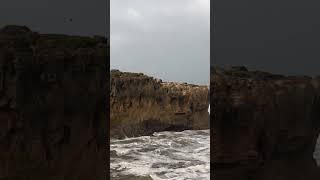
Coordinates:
119 74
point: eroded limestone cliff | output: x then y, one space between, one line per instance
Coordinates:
265 126
53 106
141 105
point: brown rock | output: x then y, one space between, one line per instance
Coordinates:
142 105
52 106
265 126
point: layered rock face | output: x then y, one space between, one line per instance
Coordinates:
53 106
141 105
264 126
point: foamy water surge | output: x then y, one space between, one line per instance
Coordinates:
165 155
316 154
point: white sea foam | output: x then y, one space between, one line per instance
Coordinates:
165 155
316 154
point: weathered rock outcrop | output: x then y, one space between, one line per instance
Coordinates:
265 126
141 105
53 105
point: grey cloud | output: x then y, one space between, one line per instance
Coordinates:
90 17
166 39
276 36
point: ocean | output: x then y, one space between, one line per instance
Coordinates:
316 154
164 155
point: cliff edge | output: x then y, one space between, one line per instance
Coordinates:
141 105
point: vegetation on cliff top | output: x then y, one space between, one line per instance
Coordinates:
49 41
22 36
114 73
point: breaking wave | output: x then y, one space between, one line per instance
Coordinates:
165 155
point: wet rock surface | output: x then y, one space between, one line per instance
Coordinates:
264 126
53 106
142 105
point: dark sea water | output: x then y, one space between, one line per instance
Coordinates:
165 155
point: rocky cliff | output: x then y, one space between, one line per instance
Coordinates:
264 126
141 105
53 106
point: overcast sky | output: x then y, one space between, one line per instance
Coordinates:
89 17
167 39
280 36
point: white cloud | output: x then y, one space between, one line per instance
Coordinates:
204 4
200 8
133 13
